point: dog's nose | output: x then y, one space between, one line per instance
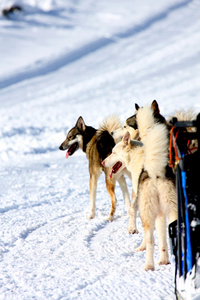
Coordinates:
61 147
112 133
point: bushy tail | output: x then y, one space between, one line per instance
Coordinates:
184 115
187 115
111 123
105 141
156 151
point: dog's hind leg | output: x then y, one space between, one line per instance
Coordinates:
148 202
168 198
93 190
124 188
149 264
162 239
132 227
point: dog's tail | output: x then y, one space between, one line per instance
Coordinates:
184 115
156 151
187 115
105 141
111 123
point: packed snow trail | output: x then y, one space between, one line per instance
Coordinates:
49 249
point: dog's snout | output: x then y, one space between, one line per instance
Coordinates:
61 147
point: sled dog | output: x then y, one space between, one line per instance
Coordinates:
97 144
150 127
147 117
156 197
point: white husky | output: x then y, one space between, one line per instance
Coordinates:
150 127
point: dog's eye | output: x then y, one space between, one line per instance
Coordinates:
124 126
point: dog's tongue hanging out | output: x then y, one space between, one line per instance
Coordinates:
115 168
71 150
111 172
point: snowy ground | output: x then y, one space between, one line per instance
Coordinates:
59 60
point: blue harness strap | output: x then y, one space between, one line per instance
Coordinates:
189 259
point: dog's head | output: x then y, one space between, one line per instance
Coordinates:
130 125
158 118
74 139
118 158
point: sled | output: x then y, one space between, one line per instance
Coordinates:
184 233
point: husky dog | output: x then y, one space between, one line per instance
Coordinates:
147 117
140 127
97 144
156 197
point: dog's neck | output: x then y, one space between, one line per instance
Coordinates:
134 163
145 121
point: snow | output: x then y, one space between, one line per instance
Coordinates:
59 60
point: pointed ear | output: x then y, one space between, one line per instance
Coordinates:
136 106
126 138
80 124
155 107
135 135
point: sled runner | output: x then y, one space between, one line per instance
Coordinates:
184 233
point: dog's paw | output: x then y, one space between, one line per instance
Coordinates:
91 215
140 248
163 262
149 267
110 218
164 257
133 230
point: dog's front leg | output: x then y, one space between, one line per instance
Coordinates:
132 227
93 191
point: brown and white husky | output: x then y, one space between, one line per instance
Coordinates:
97 144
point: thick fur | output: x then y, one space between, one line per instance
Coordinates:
184 115
143 120
156 151
97 144
156 197
147 117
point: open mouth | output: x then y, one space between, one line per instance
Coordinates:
72 149
115 168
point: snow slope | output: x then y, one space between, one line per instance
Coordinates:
59 60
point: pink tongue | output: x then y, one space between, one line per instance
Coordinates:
111 172
67 154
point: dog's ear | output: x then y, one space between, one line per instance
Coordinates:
135 135
126 138
136 106
80 124
155 107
